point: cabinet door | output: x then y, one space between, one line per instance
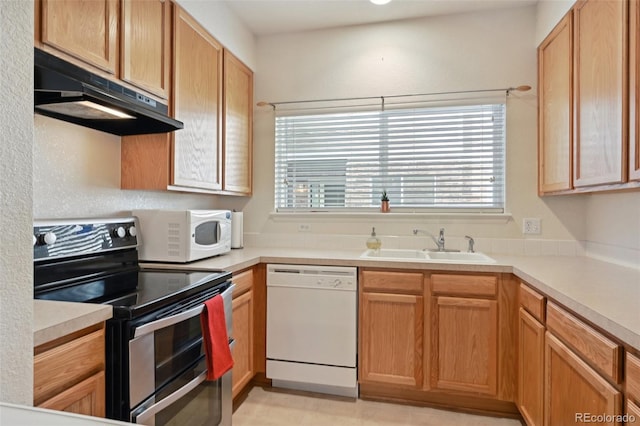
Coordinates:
555 116
145 50
572 388
87 397
530 368
238 125
243 336
634 90
600 90
464 340
391 339
197 95
84 29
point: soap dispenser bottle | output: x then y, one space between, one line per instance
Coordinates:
373 242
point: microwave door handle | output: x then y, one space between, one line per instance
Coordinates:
219 229
155 408
168 321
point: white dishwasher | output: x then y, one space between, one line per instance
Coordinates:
311 328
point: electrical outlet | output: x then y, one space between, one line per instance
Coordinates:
531 225
304 227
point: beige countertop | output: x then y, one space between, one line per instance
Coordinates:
52 319
604 293
20 415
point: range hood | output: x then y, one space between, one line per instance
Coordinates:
70 93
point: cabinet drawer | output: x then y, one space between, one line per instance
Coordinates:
603 353
243 282
533 302
632 367
391 282
60 367
464 285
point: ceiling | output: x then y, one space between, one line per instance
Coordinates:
266 17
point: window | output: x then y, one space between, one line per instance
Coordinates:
443 158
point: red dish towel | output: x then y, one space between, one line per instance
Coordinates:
215 339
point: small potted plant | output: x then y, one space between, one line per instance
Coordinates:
384 202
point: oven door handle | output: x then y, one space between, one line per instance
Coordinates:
168 321
182 316
155 408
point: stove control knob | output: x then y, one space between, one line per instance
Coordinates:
46 239
119 232
132 231
35 240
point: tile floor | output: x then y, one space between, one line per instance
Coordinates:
273 407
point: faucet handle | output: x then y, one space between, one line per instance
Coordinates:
471 242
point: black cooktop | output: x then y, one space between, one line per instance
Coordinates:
97 262
136 292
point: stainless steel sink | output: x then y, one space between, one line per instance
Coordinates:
427 256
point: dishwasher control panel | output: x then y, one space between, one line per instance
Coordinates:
329 277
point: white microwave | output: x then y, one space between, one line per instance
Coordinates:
183 235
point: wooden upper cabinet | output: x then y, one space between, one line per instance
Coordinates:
600 92
86 30
145 55
555 103
634 90
238 125
197 95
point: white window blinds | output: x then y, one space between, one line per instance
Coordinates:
446 158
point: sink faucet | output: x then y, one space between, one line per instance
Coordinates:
439 241
471 242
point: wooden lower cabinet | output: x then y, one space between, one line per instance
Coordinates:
464 344
69 373
530 368
573 390
433 338
391 333
633 412
243 331
87 397
243 335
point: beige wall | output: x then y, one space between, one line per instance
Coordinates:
464 52
16 267
549 13
225 26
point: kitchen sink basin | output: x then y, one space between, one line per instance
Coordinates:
457 256
427 256
395 254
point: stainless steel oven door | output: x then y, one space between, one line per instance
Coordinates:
161 350
189 400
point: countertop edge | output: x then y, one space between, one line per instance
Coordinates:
53 319
537 271
545 274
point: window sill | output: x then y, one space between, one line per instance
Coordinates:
494 218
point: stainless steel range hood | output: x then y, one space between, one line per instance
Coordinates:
70 93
